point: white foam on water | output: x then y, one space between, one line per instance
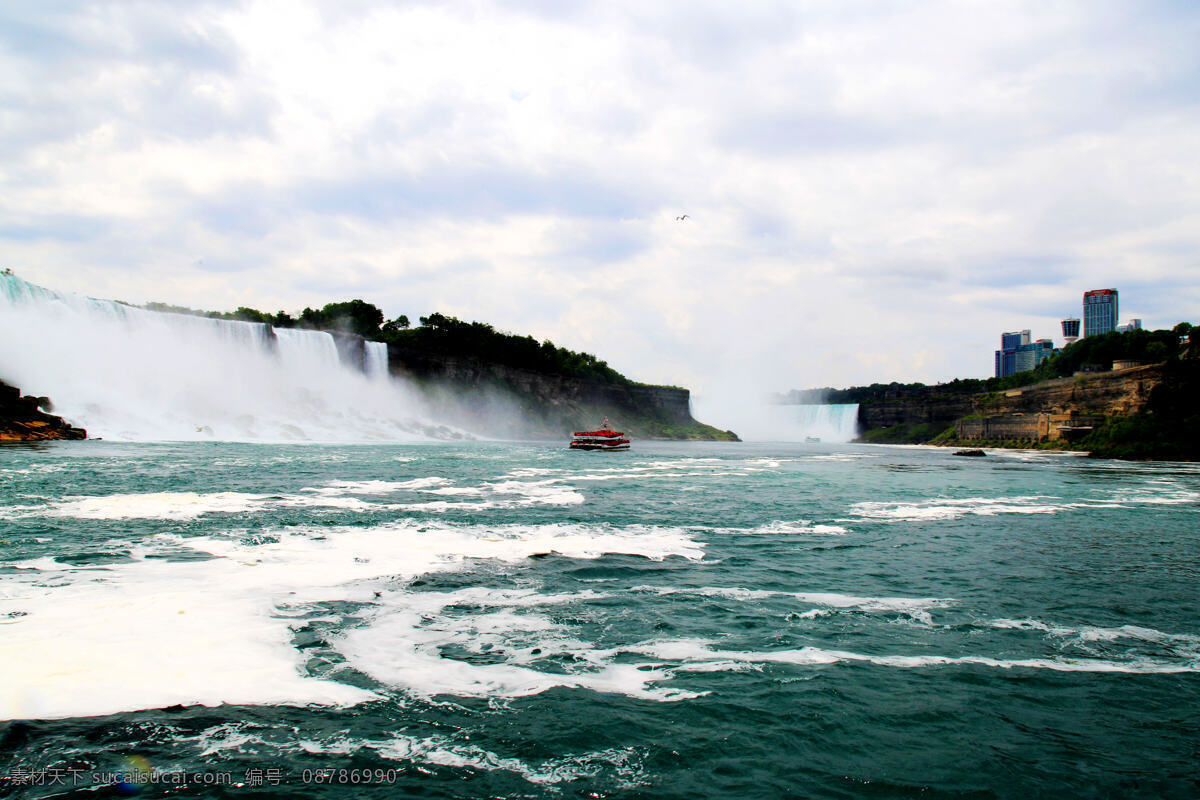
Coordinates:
801 526
183 505
530 472
1101 634
43 563
18 512
337 495
230 736
377 487
151 633
1163 492
955 508
692 653
918 607
499 494
554 771
449 751
544 492
1155 493
156 505
404 642
326 502
842 457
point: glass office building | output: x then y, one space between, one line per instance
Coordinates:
1018 354
1099 311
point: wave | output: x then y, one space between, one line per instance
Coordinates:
697 655
336 495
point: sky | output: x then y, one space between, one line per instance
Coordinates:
874 190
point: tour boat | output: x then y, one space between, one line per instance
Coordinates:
604 439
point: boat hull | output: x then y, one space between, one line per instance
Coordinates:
598 446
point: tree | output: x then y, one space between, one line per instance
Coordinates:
249 315
353 316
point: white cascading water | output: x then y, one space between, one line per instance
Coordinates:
127 373
832 422
375 360
306 350
836 422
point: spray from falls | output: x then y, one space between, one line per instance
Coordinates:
831 422
763 421
128 373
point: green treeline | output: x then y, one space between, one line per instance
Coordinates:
437 334
1169 428
449 336
1092 353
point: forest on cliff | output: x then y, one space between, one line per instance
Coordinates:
1094 353
436 335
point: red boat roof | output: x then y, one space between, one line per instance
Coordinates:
605 433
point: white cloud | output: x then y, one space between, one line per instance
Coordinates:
874 190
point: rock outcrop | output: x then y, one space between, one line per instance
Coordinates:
1117 393
517 403
22 419
925 407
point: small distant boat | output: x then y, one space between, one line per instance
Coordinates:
811 439
603 439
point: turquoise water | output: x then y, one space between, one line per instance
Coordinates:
683 620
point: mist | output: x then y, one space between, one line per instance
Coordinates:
756 415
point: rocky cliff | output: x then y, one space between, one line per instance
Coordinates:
516 403
915 408
1115 393
22 419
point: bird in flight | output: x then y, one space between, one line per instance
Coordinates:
681 218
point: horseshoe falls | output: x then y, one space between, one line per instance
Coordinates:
780 422
831 422
128 373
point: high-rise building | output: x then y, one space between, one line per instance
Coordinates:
1070 330
1134 324
1099 311
1018 354
1031 354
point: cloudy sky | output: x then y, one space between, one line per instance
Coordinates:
874 190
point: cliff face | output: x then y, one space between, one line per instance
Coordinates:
22 419
510 402
924 409
1118 393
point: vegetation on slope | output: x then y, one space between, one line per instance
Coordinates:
1169 428
449 336
1094 352
437 334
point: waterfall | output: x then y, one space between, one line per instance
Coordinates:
128 373
798 423
306 350
375 361
834 422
